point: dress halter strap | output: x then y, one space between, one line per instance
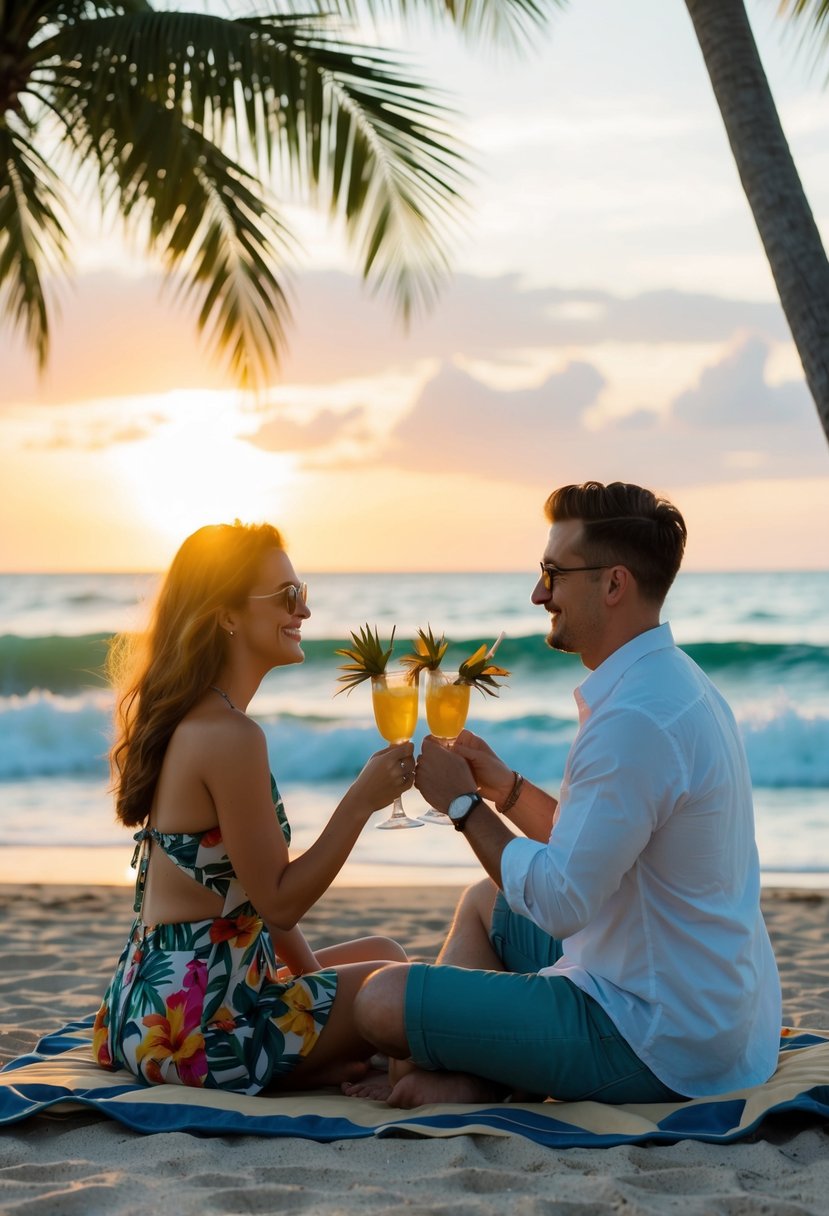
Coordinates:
223 695
141 851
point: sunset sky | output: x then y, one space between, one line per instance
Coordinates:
611 315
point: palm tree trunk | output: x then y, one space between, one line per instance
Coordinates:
773 188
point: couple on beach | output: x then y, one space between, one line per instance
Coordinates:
615 950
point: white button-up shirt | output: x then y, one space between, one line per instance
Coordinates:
651 876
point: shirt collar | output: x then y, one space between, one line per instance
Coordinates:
599 684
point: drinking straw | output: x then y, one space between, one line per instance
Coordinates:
495 645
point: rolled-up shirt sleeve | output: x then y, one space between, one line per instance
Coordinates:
623 776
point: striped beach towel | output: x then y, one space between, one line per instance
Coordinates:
61 1078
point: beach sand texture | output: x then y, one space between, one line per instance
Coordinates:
57 948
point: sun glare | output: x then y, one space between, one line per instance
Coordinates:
195 469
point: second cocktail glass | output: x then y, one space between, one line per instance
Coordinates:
447 705
394 700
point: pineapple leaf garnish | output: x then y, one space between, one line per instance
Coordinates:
479 671
427 654
368 658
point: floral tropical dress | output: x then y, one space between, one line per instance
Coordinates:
199 1002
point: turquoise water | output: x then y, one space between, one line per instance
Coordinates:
763 639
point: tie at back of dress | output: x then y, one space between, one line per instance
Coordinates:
202 856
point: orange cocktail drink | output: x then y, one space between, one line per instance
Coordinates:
395 707
447 705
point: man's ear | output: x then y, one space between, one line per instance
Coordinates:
620 582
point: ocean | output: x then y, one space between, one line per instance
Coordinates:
762 638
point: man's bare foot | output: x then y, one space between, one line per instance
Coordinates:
422 1088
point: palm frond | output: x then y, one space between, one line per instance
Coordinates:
815 11
232 252
427 652
181 114
368 657
382 160
480 672
213 222
502 22
348 125
810 18
32 236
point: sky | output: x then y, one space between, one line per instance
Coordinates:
610 315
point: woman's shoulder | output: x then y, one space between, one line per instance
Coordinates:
221 731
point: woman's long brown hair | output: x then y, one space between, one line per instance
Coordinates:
160 675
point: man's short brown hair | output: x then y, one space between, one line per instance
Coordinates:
628 525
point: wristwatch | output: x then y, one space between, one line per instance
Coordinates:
461 808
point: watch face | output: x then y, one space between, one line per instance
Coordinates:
460 807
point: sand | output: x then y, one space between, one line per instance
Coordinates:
57 948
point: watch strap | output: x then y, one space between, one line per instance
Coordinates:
460 823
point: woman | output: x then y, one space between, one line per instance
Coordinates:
217 986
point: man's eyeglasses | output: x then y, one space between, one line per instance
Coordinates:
291 594
550 573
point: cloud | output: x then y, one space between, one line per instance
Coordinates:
637 420
112 335
457 414
341 331
731 425
95 434
320 431
460 425
735 393
123 335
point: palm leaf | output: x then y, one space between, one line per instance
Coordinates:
214 224
811 18
814 11
32 236
368 657
503 22
427 654
210 219
480 672
344 121
181 113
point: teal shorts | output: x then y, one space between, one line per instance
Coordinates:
531 1032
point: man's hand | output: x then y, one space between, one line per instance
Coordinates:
533 813
492 777
441 774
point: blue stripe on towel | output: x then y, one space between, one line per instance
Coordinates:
60 1076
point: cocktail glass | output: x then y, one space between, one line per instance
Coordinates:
394 699
447 704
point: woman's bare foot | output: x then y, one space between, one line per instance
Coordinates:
346 1073
377 1085
422 1088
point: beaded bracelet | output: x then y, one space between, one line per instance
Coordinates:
514 794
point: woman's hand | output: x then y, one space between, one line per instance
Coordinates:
385 775
494 778
294 954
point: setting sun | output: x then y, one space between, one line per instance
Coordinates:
197 468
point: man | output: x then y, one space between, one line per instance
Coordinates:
618 952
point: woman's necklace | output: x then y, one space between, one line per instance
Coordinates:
223 695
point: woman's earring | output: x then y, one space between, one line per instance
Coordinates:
231 633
